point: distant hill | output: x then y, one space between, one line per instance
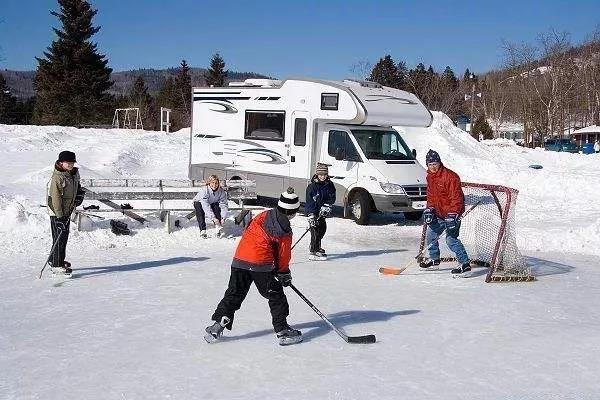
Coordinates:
21 82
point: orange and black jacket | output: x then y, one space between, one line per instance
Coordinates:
444 192
266 244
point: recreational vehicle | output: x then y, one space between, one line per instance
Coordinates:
275 131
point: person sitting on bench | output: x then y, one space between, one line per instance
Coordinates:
211 202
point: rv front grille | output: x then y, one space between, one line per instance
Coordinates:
414 191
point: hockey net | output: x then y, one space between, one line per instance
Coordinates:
488 233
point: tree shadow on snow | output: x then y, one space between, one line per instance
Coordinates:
541 267
91 271
314 329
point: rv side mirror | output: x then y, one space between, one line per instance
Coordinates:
340 154
414 153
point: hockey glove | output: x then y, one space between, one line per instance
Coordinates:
285 278
452 225
312 221
325 211
429 216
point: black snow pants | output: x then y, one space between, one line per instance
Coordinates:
268 286
201 216
58 256
316 234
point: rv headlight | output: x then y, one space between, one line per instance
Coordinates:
392 188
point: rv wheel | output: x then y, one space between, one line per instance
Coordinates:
360 208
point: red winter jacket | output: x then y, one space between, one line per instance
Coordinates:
444 192
266 244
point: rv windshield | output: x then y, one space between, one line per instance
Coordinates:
382 145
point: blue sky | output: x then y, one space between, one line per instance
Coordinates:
321 39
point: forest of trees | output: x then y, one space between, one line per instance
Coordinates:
550 86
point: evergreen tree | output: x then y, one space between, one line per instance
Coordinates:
7 103
450 79
385 72
183 83
139 97
419 81
466 75
216 74
72 80
482 126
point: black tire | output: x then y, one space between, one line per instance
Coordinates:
413 215
360 208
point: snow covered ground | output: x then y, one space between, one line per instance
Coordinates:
129 325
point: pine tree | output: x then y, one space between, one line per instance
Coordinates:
385 72
72 80
216 74
183 84
482 126
139 97
8 103
450 79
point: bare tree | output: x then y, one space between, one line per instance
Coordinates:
361 69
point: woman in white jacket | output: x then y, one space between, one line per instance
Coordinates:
211 203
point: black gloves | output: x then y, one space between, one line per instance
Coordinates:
285 278
429 215
325 211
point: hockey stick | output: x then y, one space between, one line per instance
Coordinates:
298 241
51 253
349 339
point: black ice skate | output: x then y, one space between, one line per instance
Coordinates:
289 336
65 271
428 263
215 331
464 271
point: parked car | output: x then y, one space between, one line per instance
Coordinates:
561 145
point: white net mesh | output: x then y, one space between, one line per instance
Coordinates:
488 233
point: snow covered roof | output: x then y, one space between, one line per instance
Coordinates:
588 129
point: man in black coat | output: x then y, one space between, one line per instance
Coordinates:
320 196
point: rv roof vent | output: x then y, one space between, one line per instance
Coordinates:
356 82
262 82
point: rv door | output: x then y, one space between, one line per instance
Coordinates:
340 153
299 150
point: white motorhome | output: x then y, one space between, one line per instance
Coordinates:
274 132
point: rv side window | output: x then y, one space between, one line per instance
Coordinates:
300 132
265 125
340 145
329 101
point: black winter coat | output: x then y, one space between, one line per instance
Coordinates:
319 193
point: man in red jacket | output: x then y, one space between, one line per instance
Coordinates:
263 257
445 204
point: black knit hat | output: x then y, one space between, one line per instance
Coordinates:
432 156
67 156
288 203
